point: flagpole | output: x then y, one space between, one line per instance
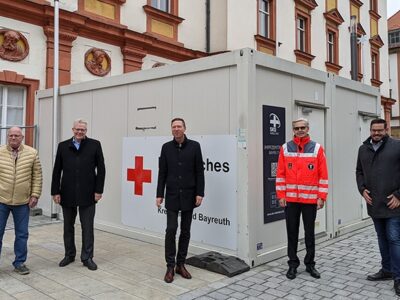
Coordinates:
54 213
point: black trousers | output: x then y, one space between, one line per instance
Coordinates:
309 213
170 237
86 216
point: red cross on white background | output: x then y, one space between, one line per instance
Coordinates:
139 175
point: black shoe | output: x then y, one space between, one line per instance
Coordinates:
291 273
90 264
381 275
313 272
397 287
66 261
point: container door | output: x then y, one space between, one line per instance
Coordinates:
316 118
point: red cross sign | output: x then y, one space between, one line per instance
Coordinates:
139 175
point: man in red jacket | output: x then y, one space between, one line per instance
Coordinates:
302 188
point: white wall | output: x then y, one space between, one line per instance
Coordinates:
192 31
34 65
133 15
70 5
285 29
318 37
78 70
344 42
241 24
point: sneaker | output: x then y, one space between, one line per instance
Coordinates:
21 270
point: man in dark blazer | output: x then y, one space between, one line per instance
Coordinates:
181 174
78 181
377 174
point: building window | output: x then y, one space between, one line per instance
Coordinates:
301 34
12 108
163 20
374 65
163 5
167 6
333 20
303 11
394 39
264 18
265 36
331 46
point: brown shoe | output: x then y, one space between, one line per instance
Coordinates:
169 276
181 270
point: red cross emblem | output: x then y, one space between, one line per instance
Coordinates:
139 175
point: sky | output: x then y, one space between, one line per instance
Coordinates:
393 6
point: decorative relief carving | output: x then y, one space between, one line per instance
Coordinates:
13 45
97 62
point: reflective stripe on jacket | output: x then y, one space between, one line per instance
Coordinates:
302 174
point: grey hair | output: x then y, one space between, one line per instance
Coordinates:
80 121
300 120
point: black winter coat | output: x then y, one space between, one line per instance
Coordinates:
379 172
78 174
181 174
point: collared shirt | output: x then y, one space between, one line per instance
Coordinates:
376 145
76 143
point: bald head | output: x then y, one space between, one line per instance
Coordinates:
15 137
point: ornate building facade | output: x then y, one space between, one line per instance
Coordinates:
109 37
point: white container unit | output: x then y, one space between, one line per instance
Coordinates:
239 106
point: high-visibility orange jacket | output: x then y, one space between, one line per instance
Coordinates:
302 174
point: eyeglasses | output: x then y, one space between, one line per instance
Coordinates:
80 130
377 130
300 128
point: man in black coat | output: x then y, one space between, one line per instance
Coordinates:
78 181
378 180
181 173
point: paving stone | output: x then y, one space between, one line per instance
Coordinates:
259 287
245 283
325 294
252 292
218 296
267 297
226 291
293 297
309 289
237 295
298 292
275 293
342 292
238 288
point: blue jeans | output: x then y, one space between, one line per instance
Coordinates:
21 221
388 231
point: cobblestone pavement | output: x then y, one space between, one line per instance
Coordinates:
131 269
344 264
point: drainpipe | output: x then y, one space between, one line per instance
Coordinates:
208 21
353 45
